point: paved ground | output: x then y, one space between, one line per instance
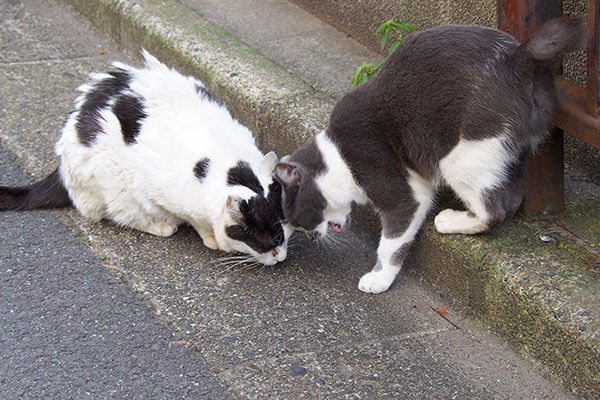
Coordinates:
70 329
93 311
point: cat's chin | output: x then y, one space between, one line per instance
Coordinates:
274 257
269 262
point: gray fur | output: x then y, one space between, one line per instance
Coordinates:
442 86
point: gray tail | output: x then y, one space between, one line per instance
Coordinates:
47 193
554 39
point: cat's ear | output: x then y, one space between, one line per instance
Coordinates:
232 207
288 174
268 163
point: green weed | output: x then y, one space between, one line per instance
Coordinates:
390 29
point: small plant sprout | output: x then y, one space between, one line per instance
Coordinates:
389 29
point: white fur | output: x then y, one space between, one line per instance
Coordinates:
151 186
380 279
453 221
470 169
336 185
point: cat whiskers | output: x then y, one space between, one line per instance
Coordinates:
292 240
293 245
232 263
332 242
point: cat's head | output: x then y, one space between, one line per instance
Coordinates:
312 200
253 222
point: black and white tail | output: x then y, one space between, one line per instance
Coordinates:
554 39
47 193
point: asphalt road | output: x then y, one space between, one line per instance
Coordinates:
71 329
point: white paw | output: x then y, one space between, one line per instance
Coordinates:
445 221
210 242
452 221
161 228
375 282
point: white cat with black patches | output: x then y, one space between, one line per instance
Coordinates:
150 149
460 106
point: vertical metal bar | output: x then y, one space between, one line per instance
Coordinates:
544 178
593 58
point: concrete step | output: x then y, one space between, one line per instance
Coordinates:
280 70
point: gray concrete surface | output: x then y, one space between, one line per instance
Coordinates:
309 48
71 329
298 330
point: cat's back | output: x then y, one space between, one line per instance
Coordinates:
457 42
141 115
419 100
431 70
130 105
439 65
142 132
184 118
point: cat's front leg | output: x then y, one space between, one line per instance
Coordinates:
210 242
208 237
400 226
389 262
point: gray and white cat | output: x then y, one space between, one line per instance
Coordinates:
460 106
149 149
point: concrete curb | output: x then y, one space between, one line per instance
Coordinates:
541 297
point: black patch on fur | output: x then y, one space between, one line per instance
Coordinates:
88 125
47 193
201 168
204 93
274 198
129 110
262 217
243 175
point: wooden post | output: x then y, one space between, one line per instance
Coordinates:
544 178
593 59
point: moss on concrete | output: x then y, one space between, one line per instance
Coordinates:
538 296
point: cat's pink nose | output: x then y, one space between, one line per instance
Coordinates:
274 253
